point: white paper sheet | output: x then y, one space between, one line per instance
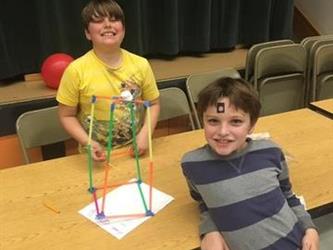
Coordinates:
302 200
260 136
125 200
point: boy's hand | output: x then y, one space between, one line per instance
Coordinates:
213 241
97 151
310 240
142 143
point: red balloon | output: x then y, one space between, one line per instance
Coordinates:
53 68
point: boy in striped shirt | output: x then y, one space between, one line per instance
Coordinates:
242 185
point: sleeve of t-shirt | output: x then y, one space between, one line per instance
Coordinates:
149 88
68 91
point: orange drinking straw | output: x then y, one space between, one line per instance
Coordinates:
119 99
120 153
150 144
51 207
106 170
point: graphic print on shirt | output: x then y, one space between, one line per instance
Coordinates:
122 127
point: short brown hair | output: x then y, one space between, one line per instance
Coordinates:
241 94
101 8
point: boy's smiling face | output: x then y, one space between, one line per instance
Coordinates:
106 31
226 131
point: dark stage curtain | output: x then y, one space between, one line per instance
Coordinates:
32 30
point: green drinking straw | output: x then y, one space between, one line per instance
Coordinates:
142 197
133 125
138 168
90 163
109 146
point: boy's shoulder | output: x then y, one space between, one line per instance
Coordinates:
263 144
204 153
83 60
199 154
133 57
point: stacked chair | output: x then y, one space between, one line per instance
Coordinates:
322 79
196 82
252 52
319 67
307 42
279 72
174 104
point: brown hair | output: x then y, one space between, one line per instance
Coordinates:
96 9
241 94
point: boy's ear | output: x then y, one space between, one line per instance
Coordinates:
251 130
86 32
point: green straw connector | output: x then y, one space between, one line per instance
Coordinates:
135 146
142 196
110 138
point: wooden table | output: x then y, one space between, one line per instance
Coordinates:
307 139
324 106
25 223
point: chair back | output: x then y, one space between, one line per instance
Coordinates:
279 77
324 88
322 72
252 52
281 93
174 103
311 44
196 82
308 41
279 60
38 128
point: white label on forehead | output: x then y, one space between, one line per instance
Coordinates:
220 108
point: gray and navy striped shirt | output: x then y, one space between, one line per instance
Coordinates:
247 196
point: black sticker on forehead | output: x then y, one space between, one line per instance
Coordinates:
220 108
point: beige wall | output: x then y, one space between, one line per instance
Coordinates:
319 13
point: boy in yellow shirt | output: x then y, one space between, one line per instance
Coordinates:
106 70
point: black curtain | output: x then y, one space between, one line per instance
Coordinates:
32 30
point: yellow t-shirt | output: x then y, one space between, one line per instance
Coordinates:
88 76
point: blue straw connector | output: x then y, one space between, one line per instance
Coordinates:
147 104
149 213
113 106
